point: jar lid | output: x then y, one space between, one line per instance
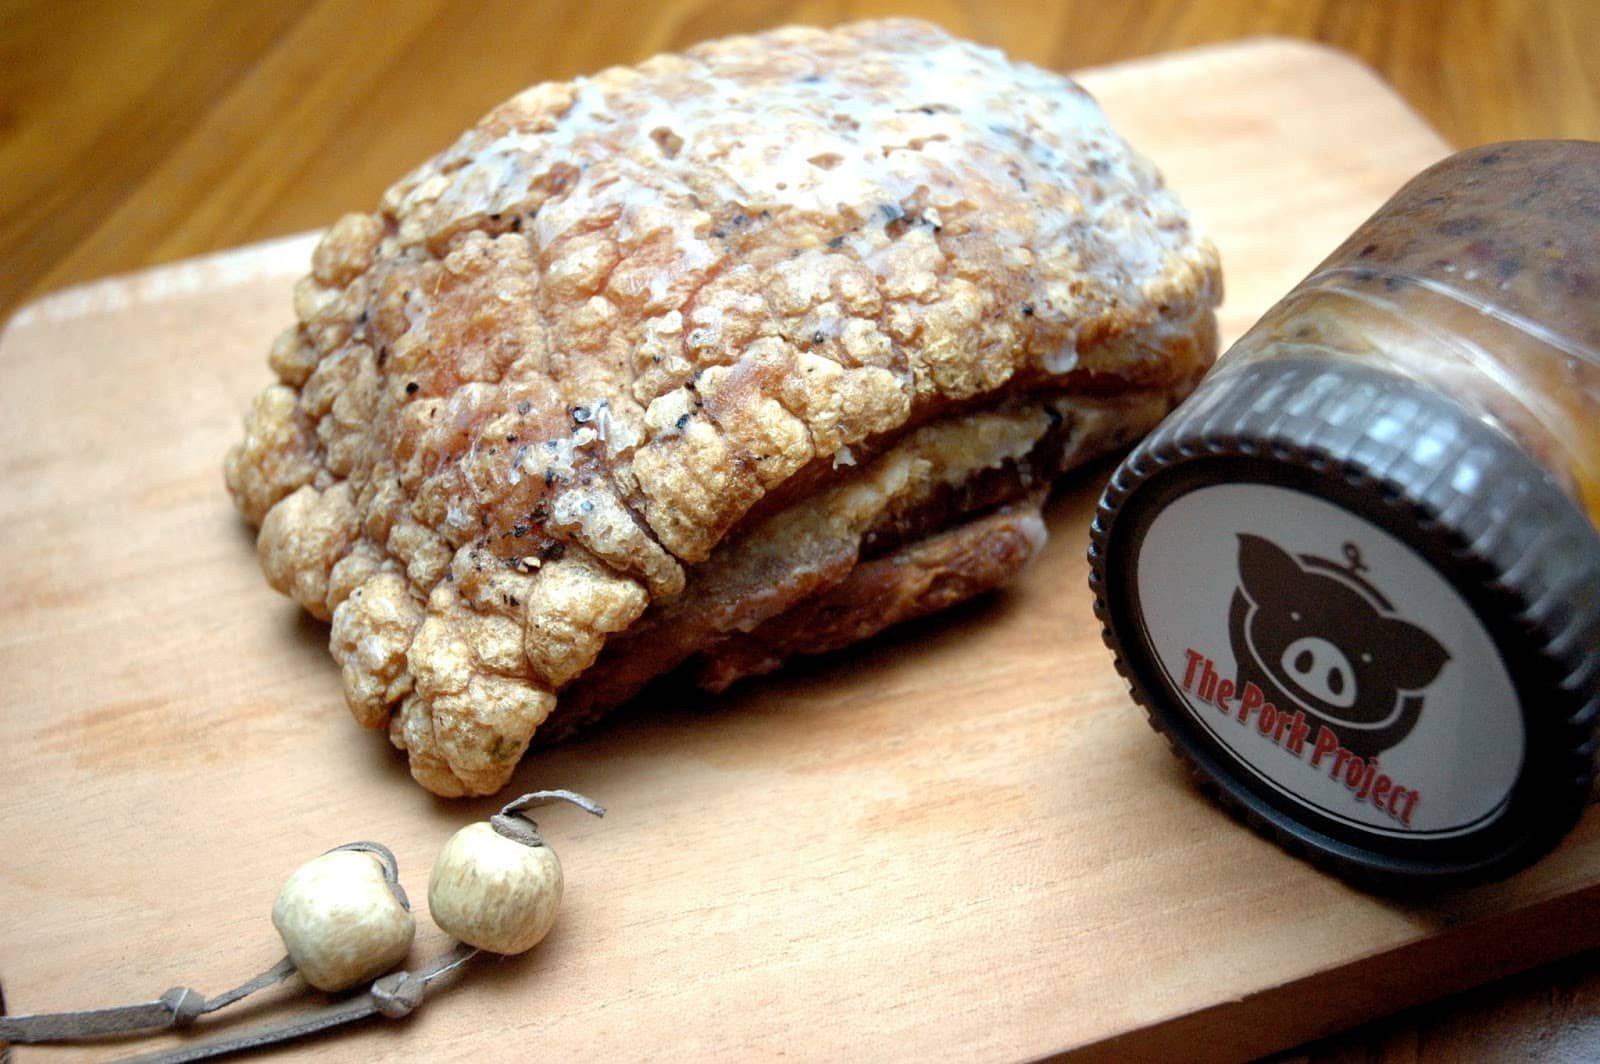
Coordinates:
1369 620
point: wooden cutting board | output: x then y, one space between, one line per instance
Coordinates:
961 841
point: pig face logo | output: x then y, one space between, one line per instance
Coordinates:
1316 636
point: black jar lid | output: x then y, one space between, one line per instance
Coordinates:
1367 619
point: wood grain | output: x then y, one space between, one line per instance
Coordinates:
135 134
931 842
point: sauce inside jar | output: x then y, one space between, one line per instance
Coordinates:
1480 279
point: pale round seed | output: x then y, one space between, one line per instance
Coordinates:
493 892
340 921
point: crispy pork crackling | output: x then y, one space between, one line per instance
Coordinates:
733 355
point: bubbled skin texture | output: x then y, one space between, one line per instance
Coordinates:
532 394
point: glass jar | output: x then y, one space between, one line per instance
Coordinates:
1356 576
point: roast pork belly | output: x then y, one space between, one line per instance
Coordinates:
733 355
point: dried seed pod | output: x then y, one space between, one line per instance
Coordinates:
343 917
496 885
492 892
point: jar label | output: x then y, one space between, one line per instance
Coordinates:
1330 659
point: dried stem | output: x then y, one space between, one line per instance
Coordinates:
517 826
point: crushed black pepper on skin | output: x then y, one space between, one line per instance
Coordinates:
412 387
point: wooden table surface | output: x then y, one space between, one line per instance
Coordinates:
137 134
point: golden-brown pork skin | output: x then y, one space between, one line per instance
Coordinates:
680 312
